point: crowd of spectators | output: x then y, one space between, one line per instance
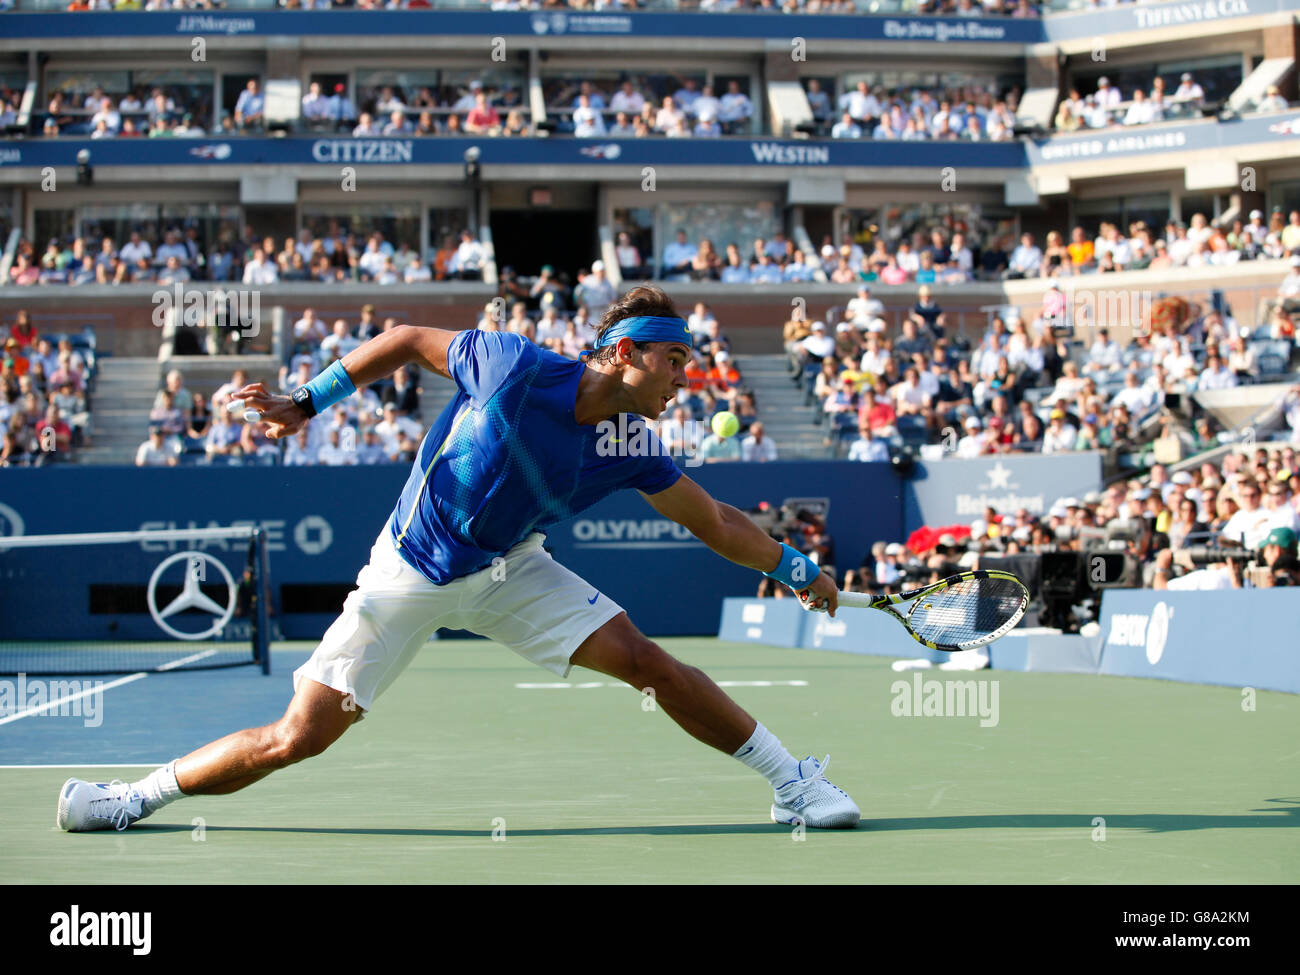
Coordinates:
334 256
1219 525
955 8
1106 107
951 256
142 112
379 424
1022 387
674 107
914 115
1199 243
44 381
185 426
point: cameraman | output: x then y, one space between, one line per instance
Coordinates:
1281 567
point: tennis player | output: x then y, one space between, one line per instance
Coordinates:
517 451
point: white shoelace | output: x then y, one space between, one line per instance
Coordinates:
117 812
820 774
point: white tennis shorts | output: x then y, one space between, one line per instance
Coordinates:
526 601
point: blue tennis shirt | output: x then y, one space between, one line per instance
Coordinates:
507 458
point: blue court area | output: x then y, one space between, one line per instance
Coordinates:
149 719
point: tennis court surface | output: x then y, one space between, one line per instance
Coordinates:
474 768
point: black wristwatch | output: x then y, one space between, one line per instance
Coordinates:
302 396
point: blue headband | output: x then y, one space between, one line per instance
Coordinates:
647 328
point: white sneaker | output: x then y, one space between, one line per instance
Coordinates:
97 805
813 801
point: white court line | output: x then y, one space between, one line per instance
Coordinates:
114 765
188 660
722 683
97 689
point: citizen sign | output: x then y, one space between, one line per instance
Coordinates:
361 150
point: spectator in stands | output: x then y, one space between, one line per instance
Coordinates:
1107 96
588 123
299 452
868 447
595 291
1060 435
156 451
1252 522
757 446
705 265
1026 260
250 106
223 435
365 127
846 128
668 117
629 259
1216 375
735 109
1189 91
391 428
261 271
1104 355
338 343
1272 101
467 264
482 119
341 110
23 331
678 257
397 124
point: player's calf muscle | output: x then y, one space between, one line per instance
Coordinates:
314 720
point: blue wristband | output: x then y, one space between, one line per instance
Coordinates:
795 569
330 387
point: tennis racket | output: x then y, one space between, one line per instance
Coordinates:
968 610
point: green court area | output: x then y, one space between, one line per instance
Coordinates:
461 775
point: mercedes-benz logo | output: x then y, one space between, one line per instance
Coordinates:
191 596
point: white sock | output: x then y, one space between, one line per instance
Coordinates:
159 787
765 754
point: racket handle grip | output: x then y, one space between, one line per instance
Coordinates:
855 600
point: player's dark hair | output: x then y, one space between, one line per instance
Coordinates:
643 300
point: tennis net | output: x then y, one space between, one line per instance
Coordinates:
122 602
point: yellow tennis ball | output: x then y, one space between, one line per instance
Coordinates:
725 424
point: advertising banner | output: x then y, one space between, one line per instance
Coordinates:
320 523
1238 637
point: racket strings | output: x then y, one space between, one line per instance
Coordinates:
966 611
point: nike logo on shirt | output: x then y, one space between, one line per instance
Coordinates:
592 600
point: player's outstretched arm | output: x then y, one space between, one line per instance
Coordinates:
381 356
388 351
730 532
